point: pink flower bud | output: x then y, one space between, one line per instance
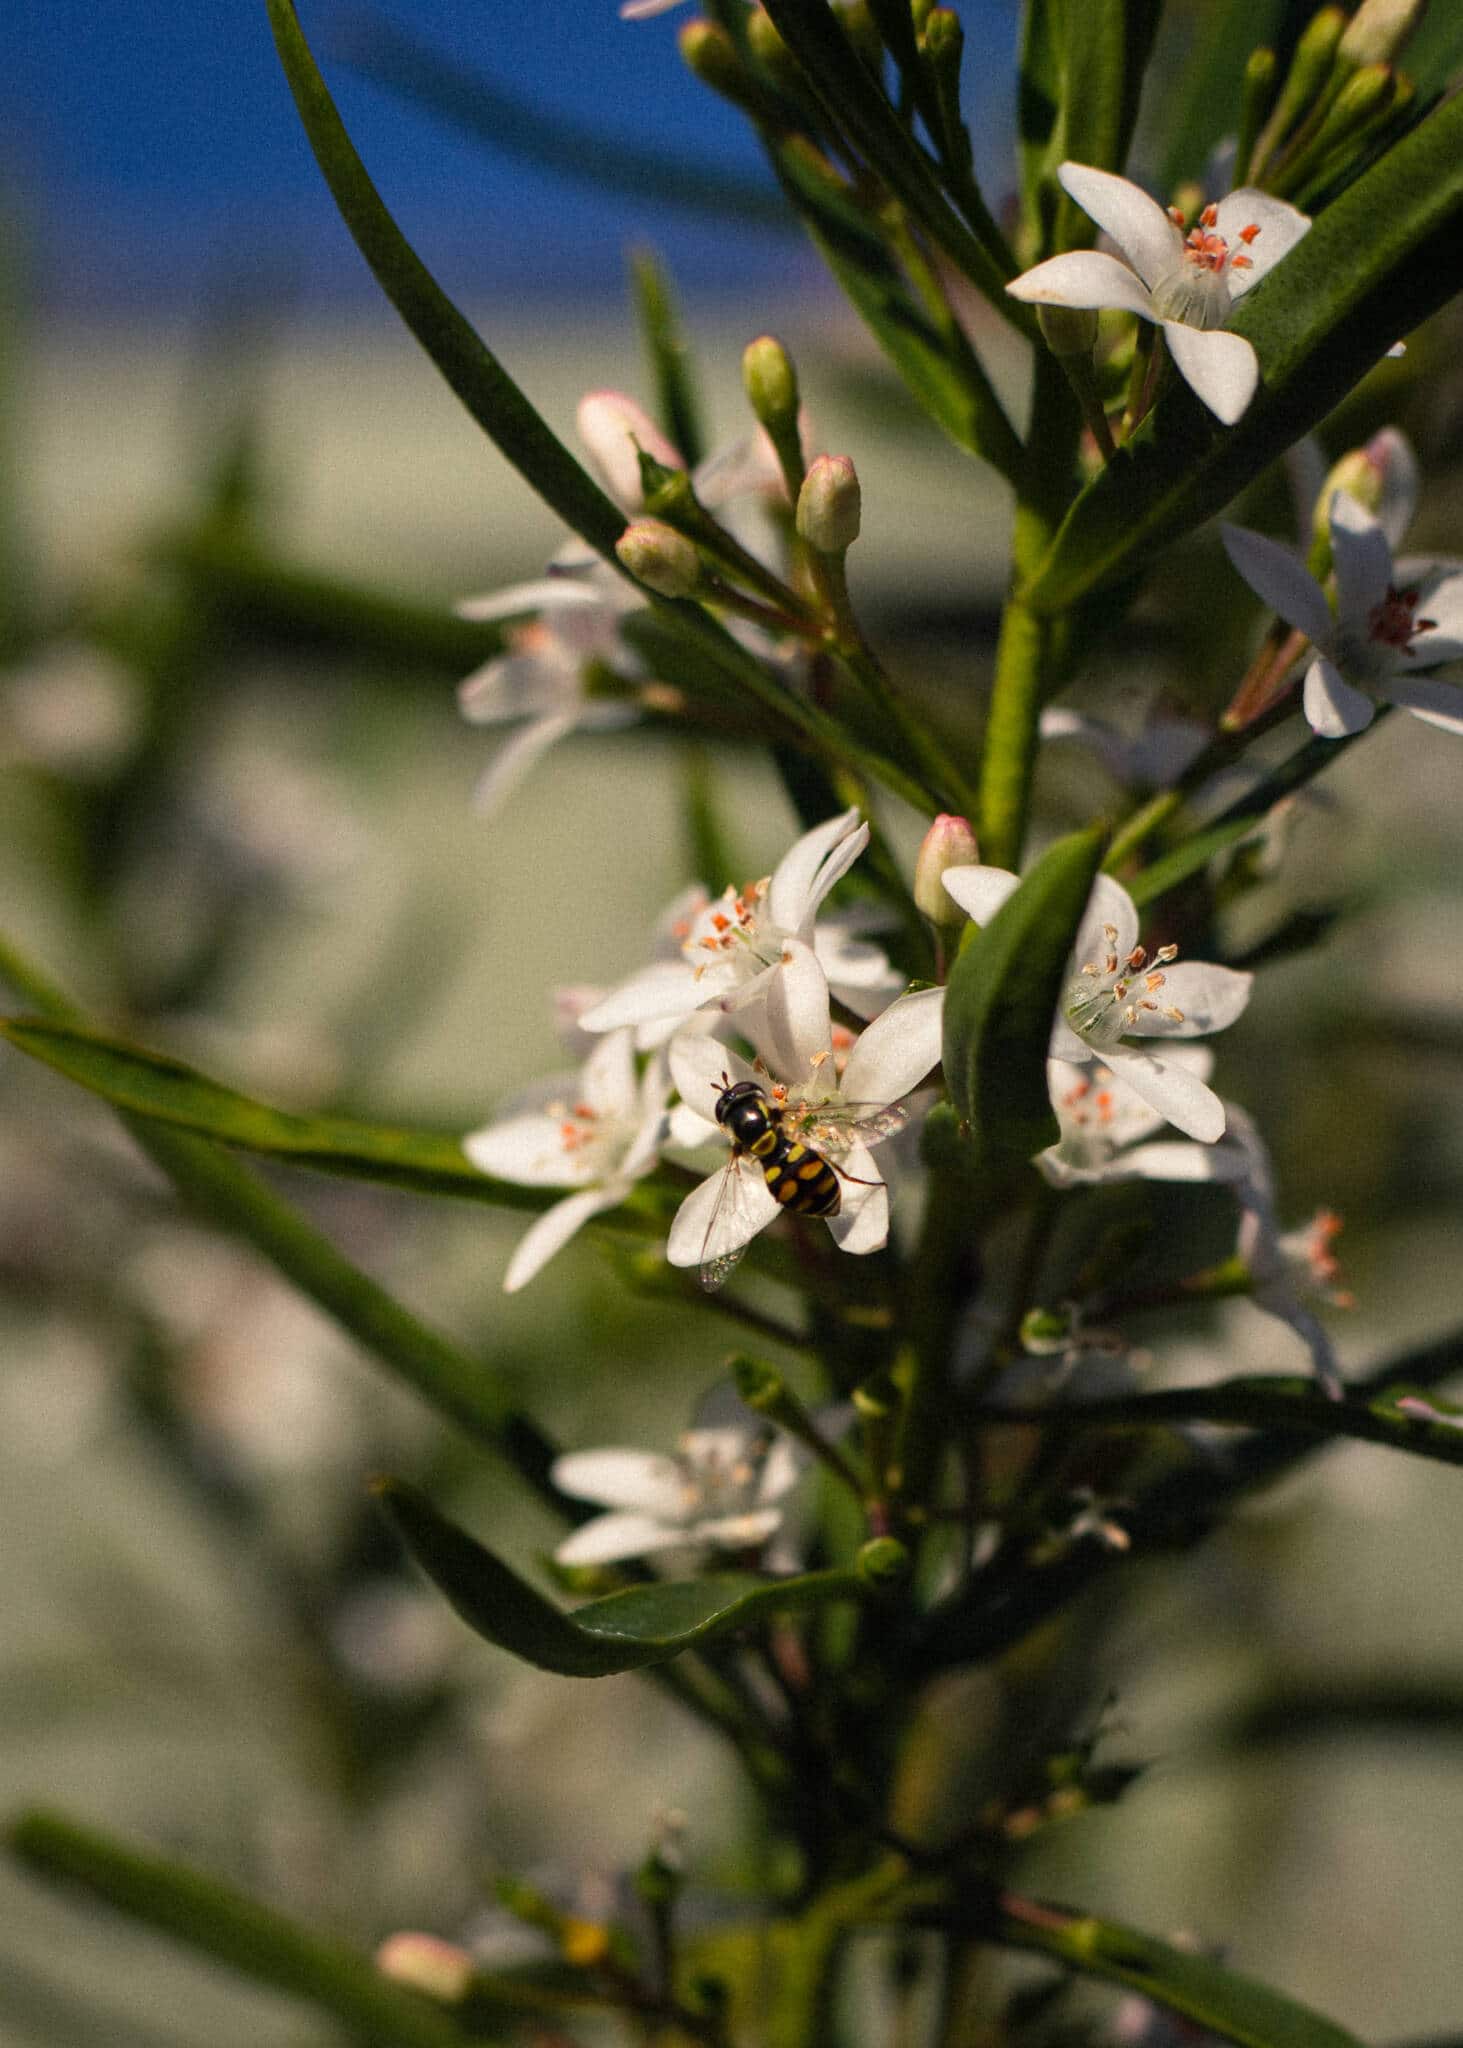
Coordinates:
830 505
949 843
614 429
428 1964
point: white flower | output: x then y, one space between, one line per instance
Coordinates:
1148 759
1116 989
837 1107
718 1493
1108 1130
596 1131
1186 283
1289 1270
642 10
1393 619
728 950
541 678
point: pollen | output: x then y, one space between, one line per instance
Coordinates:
1394 623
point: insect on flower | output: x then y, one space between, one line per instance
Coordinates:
774 1135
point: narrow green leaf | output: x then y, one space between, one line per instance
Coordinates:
1205 105
465 361
1001 998
1271 1401
1107 47
1374 265
670 356
481 107
625 1631
857 107
151 1085
235 1930
1038 112
936 361
1216 1998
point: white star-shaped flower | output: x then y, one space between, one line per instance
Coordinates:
1393 619
838 1106
1109 1130
720 1492
727 950
597 1132
1184 282
1116 991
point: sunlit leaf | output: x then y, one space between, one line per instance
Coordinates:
1002 995
626 1631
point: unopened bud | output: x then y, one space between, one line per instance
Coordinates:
764 40
943 36
884 1561
1378 30
758 1384
614 430
771 383
949 843
863 32
423 1962
1367 93
830 505
1309 73
1382 477
1068 330
583 1943
659 557
709 52
1046 1332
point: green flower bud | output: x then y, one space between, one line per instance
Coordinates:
711 54
830 505
659 557
765 43
757 1383
1378 31
863 33
1068 330
1046 1332
771 383
884 1561
949 843
1308 77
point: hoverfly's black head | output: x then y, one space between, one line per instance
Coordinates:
737 1092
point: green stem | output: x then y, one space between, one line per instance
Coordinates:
235 1930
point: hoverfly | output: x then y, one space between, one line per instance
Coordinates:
769 1133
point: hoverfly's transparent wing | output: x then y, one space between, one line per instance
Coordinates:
836 1126
732 1226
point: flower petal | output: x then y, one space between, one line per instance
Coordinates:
1363 561
608 1083
895 1052
1220 368
809 870
738 1532
667 988
644 1481
1210 997
1138 224
862 1222
1280 226
1439 587
547 593
793 1029
530 1149
1392 454
614 429
701 1067
1285 584
720 1216
980 891
1178 1159
1332 708
1176 1093
1430 698
516 758
1083 278
550 1232
1109 923
610 1538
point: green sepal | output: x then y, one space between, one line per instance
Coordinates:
1002 996
1216 1998
1374 265
240 1932
463 358
151 1085
625 1631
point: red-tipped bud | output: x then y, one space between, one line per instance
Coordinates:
949 843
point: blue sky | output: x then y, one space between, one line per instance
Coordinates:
152 144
